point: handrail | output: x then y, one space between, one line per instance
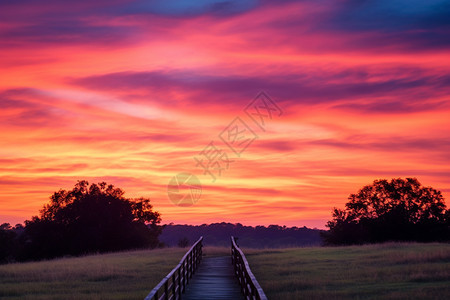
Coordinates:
249 285
174 284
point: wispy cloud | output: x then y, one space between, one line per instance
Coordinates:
130 91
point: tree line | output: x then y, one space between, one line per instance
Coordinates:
218 234
98 218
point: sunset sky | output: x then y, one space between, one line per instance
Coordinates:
131 92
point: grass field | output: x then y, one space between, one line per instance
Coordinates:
387 271
125 275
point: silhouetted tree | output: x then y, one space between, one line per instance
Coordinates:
396 210
90 218
7 241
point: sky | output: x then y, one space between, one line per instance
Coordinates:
279 109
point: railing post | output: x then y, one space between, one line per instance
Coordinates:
190 266
195 260
174 285
180 288
166 290
241 276
183 278
186 269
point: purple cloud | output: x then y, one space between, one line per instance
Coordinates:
296 88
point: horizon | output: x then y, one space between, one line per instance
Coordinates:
133 93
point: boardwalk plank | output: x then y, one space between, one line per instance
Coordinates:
214 279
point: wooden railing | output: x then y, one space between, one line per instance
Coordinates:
249 285
174 284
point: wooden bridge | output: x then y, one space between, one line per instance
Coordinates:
222 277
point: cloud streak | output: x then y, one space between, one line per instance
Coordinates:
131 91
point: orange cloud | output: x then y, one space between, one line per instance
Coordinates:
130 93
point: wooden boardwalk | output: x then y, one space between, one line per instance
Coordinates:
214 279
221 277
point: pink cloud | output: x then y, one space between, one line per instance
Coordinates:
129 92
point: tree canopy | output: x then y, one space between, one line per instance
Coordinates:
396 210
90 218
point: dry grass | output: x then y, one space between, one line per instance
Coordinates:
388 271
124 275
216 251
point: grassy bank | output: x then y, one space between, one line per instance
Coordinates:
125 275
388 271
